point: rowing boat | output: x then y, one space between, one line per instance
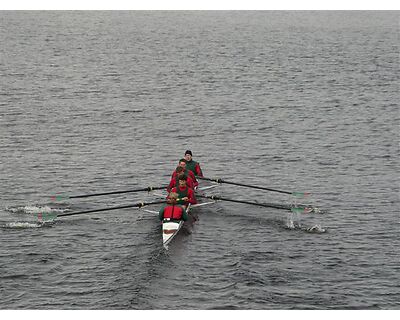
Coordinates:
170 228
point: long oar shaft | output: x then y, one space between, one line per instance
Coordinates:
267 205
112 192
136 205
245 185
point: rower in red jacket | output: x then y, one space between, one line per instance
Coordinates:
192 165
171 210
188 173
185 194
175 181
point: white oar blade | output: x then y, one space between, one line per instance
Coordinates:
202 204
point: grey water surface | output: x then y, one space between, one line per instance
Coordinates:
95 101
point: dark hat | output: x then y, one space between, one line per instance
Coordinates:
188 152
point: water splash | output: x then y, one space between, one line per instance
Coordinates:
46 217
35 209
293 220
23 225
316 229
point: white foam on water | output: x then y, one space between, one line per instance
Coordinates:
316 229
22 225
32 209
293 220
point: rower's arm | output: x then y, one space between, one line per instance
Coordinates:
161 213
172 184
198 170
184 214
192 197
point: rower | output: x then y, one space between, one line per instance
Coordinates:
175 181
188 173
171 210
185 194
192 165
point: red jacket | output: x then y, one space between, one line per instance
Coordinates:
189 174
185 192
173 212
175 183
194 167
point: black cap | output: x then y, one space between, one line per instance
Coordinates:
188 152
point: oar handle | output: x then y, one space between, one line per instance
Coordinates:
112 192
258 187
267 205
218 180
136 205
298 208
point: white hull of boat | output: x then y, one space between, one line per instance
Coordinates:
169 231
171 228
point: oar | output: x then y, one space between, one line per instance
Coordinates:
267 205
60 197
218 180
136 205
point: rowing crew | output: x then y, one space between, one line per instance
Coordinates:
181 188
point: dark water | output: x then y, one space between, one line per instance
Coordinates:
101 101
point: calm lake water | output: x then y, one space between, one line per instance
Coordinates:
299 101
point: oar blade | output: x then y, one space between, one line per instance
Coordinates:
301 194
301 209
59 198
44 217
64 197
